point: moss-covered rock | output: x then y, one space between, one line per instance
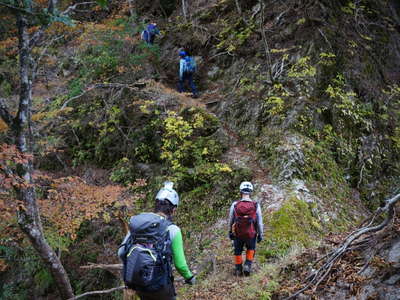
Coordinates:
291 224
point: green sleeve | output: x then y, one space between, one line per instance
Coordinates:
178 256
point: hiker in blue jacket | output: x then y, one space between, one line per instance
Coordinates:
149 34
187 67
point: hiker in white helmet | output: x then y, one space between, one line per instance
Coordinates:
150 247
245 228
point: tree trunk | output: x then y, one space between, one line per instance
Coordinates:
184 10
265 41
28 212
131 10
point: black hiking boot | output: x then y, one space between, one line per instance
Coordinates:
238 270
247 268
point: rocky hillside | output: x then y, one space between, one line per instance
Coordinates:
300 97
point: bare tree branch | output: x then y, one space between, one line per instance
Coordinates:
98 292
5 114
51 5
100 85
42 54
71 8
19 9
319 275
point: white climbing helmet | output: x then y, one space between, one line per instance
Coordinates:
168 193
246 187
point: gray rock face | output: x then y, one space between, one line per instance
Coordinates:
223 137
145 169
394 253
213 73
269 195
302 192
393 280
292 157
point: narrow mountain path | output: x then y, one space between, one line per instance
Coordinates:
214 265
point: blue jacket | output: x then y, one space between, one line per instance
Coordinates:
181 67
150 31
153 29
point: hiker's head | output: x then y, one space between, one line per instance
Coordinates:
165 207
167 198
182 53
246 188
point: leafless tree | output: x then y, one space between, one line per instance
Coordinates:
20 125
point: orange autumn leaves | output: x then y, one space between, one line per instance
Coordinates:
65 203
71 201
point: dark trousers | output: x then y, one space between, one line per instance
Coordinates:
167 293
187 77
151 39
239 244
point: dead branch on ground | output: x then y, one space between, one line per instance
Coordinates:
318 276
98 292
118 267
111 267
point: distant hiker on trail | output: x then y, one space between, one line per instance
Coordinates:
150 247
187 67
245 228
148 35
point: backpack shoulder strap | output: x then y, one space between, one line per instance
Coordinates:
234 205
255 205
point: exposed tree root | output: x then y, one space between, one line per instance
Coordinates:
318 276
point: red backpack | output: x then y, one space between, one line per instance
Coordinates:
245 218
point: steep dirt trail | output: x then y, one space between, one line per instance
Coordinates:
214 265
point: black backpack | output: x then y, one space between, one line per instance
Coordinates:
147 254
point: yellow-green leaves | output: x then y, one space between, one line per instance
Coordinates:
347 104
302 68
275 103
175 143
234 36
327 59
